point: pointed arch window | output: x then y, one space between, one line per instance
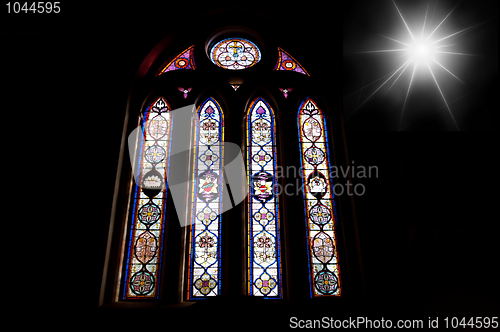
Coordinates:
235 53
319 201
145 240
264 261
288 63
204 274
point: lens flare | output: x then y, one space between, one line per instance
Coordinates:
421 53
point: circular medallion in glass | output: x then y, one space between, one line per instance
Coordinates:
235 53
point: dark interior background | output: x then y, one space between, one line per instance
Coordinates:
427 223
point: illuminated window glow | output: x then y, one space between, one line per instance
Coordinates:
185 60
319 203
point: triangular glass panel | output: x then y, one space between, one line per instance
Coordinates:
185 60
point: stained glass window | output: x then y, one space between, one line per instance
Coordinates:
264 265
142 269
287 62
204 275
235 53
319 203
185 60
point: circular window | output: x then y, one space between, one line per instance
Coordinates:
235 53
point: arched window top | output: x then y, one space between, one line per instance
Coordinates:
210 110
160 105
235 53
287 62
185 60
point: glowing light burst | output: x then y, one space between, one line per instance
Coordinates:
422 52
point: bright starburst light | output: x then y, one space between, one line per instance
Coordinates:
424 51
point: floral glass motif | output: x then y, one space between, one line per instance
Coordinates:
185 60
264 265
235 53
319 203
184 91
285 91
288 63
144 247
204 253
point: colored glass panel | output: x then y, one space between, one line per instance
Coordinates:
288 63
184 91
319 203
185 60
285 91
205 245
264 262
235 53
143 262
